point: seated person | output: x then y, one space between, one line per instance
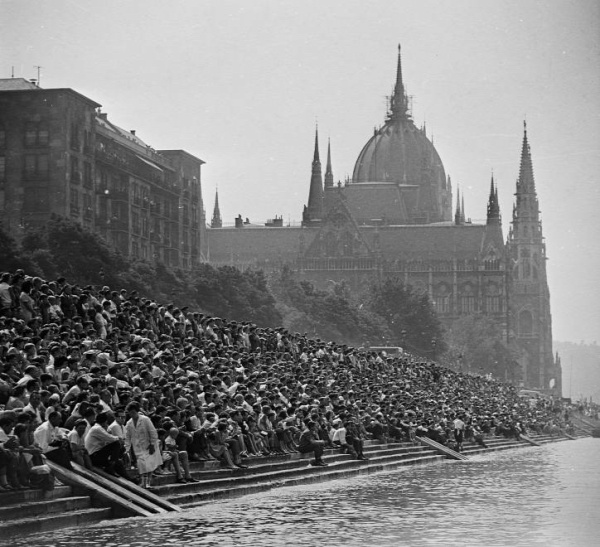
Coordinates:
105 449
53 442
172 454
310 442
76 441
9 453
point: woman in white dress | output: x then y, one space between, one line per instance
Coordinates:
140 434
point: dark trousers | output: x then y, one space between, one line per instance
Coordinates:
316 447
61 457
109 458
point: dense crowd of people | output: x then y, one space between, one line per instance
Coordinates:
111 379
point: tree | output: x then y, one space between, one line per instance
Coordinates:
476 343
328 314
410 317
229 292
75 252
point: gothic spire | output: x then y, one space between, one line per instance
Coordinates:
399 103
493 208
328 170
462 209
314 209
216 221
316 158
458 214
526 211
526 182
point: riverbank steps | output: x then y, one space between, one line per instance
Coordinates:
33 511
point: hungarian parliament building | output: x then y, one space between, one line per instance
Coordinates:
397 216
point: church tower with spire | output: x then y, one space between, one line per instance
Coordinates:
216 221
530 318
314 210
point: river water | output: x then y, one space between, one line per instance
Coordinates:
546 496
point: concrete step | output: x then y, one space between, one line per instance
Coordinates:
370 446
31 495
281 472
303 475
292 461
267 464
43 507
33 525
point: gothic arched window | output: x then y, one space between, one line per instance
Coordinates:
525 322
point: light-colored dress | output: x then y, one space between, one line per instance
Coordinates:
139 437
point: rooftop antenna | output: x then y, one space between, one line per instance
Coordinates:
39 70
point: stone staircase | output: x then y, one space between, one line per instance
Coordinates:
265 473
32 511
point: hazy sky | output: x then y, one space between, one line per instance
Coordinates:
241 83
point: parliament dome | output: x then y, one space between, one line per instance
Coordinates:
401 153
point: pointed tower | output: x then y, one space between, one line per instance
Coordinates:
493 207
314 209
216 221
458 215
328 170
531 321
399 100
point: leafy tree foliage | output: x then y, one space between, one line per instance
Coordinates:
74 252
410 317
330 314
229 292
476 344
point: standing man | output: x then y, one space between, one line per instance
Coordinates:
459 432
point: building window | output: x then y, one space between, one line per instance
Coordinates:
36 134
441 304
2 168
74 141
87 174
36 166
467 299
135 219
88 211
2 136
75 173
526 322
75 202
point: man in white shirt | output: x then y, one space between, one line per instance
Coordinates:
52 441
459 432
105 449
